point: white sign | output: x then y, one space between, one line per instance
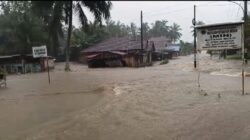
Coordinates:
39 51
219 37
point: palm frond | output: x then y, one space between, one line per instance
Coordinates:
100 9
82 17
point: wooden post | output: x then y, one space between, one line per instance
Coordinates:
48 69
141 33
141 39
243 60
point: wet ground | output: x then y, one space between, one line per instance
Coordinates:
162 102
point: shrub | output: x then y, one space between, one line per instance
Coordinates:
165 61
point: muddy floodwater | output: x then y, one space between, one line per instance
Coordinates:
162 102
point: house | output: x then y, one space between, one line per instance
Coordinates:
117 52
160 45
173 49
24 63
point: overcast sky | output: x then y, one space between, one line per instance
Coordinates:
180 12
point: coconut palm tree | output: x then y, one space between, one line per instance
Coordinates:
55 12
174 32
159 28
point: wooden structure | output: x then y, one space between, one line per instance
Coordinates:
3 79
117 51
160 45
24 63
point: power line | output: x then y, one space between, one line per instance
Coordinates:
178 10
150 13
174 11
153 11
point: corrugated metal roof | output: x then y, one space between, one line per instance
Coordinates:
219 24
160 43
9 56
118 52
18 55
116 44
174 47
92 56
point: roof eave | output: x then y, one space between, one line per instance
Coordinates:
219 24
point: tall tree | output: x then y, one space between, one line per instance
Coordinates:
58 11
116 28
159 28
174 32
145 28
20 29
186 48
133 30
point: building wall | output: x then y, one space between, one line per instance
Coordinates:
130 61
82 59
51 63
28 67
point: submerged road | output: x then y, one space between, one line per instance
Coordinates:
162 102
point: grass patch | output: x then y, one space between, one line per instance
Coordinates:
165 61
234 57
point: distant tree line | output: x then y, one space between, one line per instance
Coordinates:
84 37
186 48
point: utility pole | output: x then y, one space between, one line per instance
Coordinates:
141 39
141 33
194 23
243 47
245 27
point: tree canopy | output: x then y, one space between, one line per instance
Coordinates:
24 24
20 29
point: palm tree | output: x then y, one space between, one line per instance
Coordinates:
174 32
54 12
159 28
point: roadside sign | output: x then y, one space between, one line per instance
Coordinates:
39 51
220 36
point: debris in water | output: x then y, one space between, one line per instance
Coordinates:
219 95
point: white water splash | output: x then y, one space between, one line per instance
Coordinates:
117 90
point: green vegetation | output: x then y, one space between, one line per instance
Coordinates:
186 48
165 61
54 13
20 29
235 57
24 24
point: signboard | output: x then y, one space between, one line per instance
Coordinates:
39 51
219 37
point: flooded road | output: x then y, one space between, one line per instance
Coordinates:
162 102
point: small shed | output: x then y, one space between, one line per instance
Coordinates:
24 63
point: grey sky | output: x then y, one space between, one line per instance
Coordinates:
180 12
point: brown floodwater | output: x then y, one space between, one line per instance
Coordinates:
162 102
